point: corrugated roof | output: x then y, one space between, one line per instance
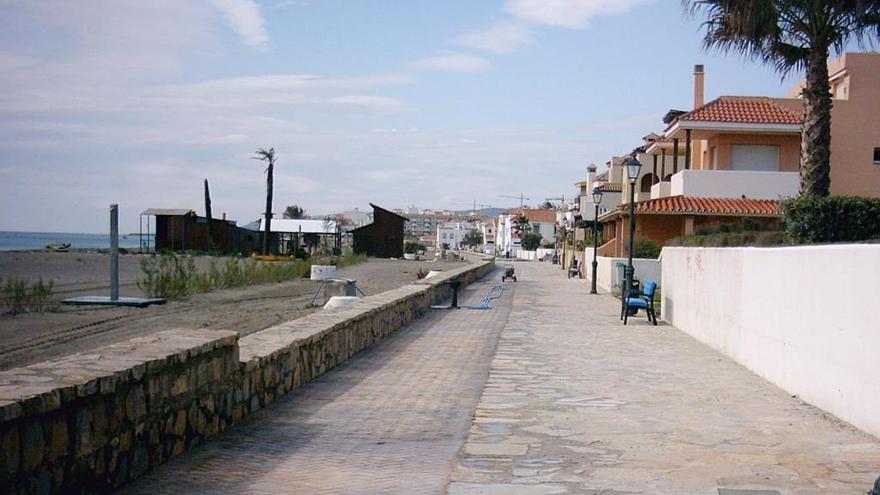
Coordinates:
691 205
743 110
306 226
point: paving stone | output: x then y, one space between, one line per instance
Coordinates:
614 409
390 420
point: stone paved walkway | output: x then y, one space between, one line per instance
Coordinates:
390 420
574 403
578 403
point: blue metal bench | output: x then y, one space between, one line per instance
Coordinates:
645 301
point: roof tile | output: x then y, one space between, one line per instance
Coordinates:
745 110
707 206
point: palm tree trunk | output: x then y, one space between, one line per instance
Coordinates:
816 130
268 232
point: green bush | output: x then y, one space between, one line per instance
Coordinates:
646 248
812 219
731 239
19 296
412 247
174 276
530 241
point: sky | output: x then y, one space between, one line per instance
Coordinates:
437 104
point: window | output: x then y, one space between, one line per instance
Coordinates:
754 157
877 156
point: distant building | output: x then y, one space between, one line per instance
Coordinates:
357 218
384 237
542 221
450 235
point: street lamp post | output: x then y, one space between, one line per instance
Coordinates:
633 166
597 198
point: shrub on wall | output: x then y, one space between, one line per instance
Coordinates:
811 219
646 248
530 241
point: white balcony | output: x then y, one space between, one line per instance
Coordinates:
660 190
733 184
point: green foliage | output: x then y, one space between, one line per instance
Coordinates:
812 219
294 211
521 224
530 241
646 248
351 259
731 239
412 247
473 238
20 296
174 276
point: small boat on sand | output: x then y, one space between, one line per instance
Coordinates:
58 247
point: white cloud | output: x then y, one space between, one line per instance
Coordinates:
457 62
244 18
567 13
500 37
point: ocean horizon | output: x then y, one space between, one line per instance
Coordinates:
26 241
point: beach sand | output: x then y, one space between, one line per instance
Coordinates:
34 337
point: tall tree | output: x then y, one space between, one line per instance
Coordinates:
795 35
294 211
521 224
208 216
269 157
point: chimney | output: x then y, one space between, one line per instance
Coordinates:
698 86
224 216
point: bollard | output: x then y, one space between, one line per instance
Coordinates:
455 284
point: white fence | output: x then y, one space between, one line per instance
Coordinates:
609 278
804 318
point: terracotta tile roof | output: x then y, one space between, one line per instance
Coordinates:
602 176
707 206
743 110
540 215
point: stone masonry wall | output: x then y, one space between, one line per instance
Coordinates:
91 422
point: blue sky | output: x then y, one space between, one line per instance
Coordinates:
427 103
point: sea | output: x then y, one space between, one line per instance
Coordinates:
23 241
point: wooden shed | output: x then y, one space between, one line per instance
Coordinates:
384 237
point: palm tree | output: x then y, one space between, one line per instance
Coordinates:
795 35
267 156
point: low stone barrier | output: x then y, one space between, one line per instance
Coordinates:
94 421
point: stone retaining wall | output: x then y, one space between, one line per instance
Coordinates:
93 421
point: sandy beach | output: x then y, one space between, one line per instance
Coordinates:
34 337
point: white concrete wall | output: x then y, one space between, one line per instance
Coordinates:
607 273
735 184
804 318
660 190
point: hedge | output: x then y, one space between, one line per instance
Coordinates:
814 219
